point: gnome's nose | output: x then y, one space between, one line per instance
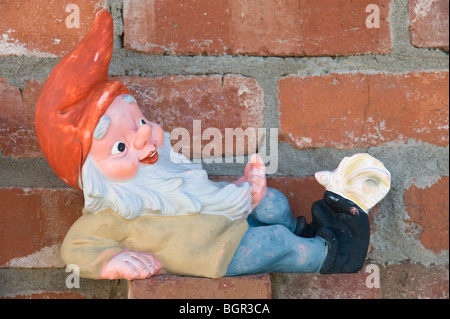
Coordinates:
142 136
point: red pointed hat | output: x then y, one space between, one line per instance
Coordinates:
75 96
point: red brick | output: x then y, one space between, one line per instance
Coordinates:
361 110
34 223
231 101
427 210
173 27
317 286
48 295
261 28
17 134
402 281
176 287
38 28
429 23
414 281
297 28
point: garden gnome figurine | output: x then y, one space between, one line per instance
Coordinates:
146 213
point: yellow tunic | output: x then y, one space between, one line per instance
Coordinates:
195 245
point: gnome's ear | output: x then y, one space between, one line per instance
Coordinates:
102 127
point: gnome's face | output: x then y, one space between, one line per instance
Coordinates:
124 139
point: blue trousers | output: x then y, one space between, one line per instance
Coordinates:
270 246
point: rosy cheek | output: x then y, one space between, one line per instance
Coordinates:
119 169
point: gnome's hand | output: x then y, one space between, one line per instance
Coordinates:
255 175
129 264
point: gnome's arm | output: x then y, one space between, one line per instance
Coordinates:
88 245
94 244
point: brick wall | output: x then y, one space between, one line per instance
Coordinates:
332 77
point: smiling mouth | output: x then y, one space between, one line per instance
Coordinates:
151 158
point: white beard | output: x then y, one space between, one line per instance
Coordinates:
165 189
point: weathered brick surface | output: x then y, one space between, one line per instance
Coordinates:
189 27
17 134
34 223
231 101
429 22
43 28
427 211
47 295
396 281
297 28
360 110
317 286
414 281
56 283
177 287
261 28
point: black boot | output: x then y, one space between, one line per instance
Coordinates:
304 229
346 229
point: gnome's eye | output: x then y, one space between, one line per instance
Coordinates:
142 121
118 147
